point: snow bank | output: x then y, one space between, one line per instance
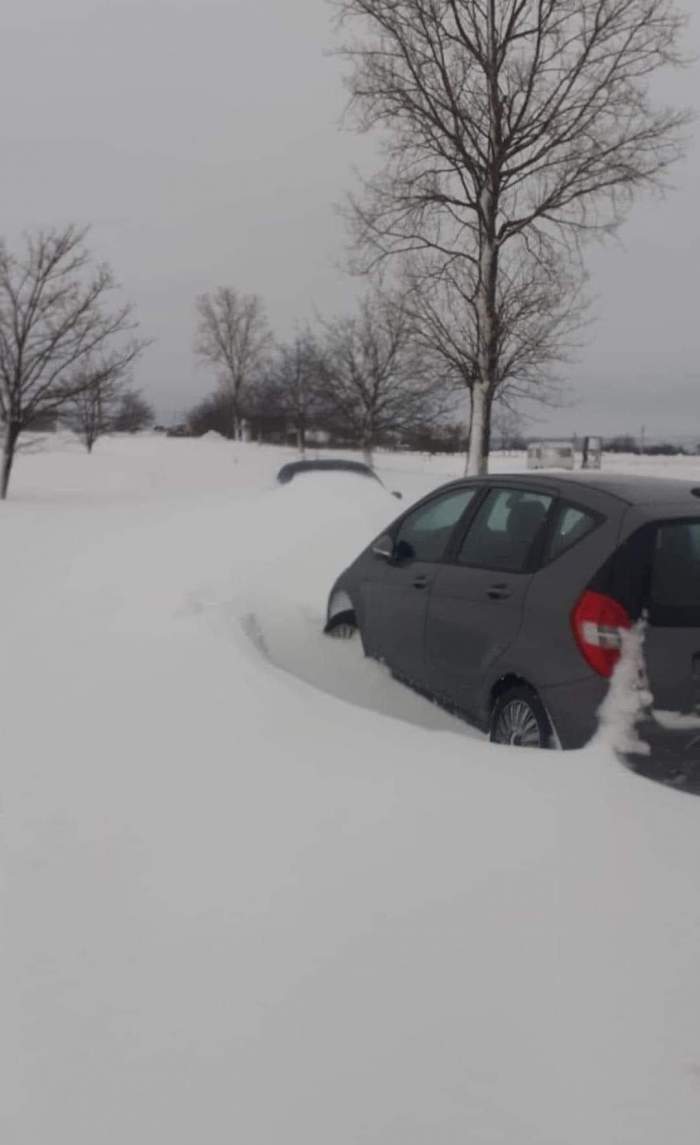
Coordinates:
239 908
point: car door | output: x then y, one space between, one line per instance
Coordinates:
656 573
476 604
672 642
395 598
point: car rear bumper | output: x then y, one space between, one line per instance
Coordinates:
573 709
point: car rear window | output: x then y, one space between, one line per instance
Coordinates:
571 525
675 575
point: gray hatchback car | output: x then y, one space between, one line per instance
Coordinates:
503 598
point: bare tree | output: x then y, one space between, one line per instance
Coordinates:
541 307
510 126
98 388
234 336
53 322
376 382
296 381
89 409
211 414
132 414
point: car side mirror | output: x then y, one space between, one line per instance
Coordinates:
404 552
384 547
397 495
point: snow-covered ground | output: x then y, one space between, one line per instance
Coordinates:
255 891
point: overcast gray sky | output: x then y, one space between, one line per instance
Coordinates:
201 140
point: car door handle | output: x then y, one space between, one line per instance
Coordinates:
421 582
499 591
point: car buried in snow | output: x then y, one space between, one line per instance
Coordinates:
329 465
505 599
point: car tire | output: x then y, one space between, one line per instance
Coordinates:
519 719
343 626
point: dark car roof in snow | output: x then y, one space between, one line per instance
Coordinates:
292 468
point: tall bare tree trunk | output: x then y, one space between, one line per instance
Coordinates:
486 430
485 385
12 432
235 419
468 425
367 442
238 433
477 457
486 300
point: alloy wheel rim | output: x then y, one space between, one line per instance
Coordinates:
517 726
343 631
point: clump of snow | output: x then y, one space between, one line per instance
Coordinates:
677 721
629 699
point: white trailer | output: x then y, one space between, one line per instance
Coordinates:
551 455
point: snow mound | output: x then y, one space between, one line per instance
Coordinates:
240 908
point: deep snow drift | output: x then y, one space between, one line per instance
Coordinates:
238 907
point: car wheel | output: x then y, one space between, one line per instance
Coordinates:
520 720
343 626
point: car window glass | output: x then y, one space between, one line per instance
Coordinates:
424 534
571 525
675 580
505 529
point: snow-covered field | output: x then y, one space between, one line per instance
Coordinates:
254 891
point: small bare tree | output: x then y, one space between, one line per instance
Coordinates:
212 414
541 308
519 126
98 388
132 414
296 382
53 323
376 381
88 411
234 336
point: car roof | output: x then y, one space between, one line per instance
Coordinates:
335 463
632 489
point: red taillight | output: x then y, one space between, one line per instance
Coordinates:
597 621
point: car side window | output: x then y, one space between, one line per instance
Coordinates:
505 529
572 524
423 534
